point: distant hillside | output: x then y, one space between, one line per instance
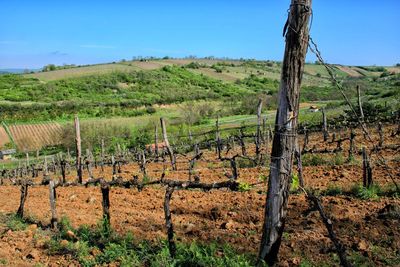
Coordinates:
17 71
130 88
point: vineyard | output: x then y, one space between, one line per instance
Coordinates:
31 137
216 191
197 162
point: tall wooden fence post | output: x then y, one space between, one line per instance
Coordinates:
360 103
283 148
258 134
168 221
169 149
78 145
324 125
367 170
52 197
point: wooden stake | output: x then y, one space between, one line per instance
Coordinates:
168 221
105 192
324 126
78 145
258 134
360 103
169 149
24 194
53 196
283 148
367 170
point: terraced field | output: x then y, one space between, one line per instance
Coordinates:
30 137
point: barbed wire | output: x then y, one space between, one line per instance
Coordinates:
314 49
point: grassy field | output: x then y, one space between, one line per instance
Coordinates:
135 94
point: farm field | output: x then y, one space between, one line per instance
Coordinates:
361 219
32 137
4 138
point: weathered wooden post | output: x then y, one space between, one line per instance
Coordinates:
156 143
367 170
381 135
52 197
299 164
324 125
241 142
360 103
217 138
24 194
105 192
102 155
283 148
78 145
169 149
258 134
168 221
351 146
306 139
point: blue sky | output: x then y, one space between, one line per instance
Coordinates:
36 33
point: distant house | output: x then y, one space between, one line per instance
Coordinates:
7 154
313 108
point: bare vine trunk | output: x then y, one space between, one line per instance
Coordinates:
297 35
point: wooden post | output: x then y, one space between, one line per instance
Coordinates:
169 149
283 148
168 221
380 132
299 164
78 145
105 192
351 146
264 129
143 165
367 170
217 138
24 194
241 141
324 125
114 166
156 143
360 103
53 196
306 139
102 155
258 134
63 164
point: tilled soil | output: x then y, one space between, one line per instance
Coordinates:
223 216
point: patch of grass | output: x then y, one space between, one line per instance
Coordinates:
244 187
295 183
97 246
16 223
246 163
313 160
385 256
333 191
366 193
359 260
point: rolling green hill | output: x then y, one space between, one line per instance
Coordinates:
132 88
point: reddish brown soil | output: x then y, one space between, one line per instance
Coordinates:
223 216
